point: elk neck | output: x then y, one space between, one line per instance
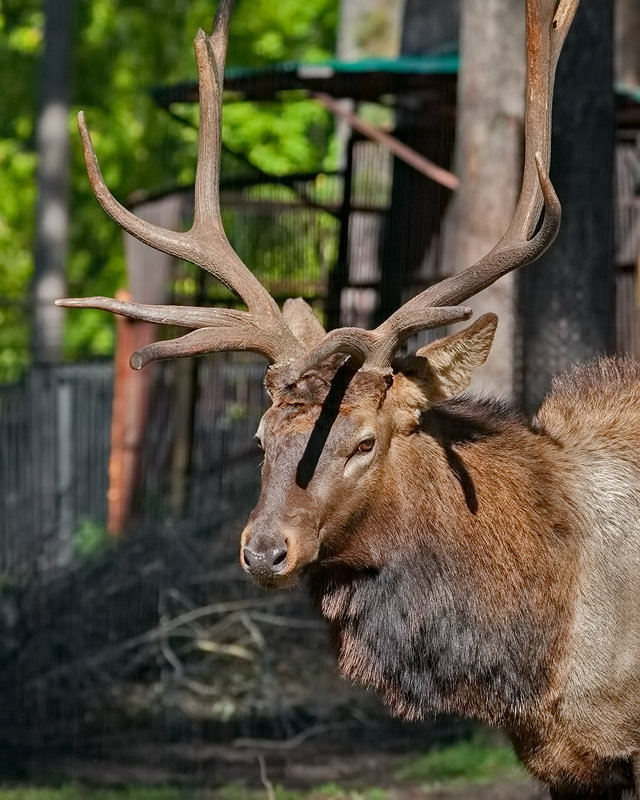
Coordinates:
454 593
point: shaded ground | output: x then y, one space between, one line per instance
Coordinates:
141 668
302 773
502 790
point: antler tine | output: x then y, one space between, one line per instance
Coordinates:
174 243
547 28
218 256
374 349
263 328
211 52
546 32
219 329
184 316
236 335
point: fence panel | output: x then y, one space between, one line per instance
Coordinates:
54 430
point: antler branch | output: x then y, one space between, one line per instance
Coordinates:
376 348
263 328
220 329
527 237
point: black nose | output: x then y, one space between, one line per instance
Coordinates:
269 561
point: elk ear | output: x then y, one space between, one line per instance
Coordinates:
444 367
303 322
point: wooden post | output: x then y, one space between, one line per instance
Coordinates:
488 161
128 420
339 275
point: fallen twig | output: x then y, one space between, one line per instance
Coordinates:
271 795
294 741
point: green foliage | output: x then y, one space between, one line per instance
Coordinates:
474 761
120 50
79 792
280 138
90 538
268 246
21 26
268 32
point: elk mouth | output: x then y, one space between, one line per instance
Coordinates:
284 581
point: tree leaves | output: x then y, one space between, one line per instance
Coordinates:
121 49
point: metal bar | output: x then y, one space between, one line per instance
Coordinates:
395 146
339 275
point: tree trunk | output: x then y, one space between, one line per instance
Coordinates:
627 38
567 298
488 162
52 212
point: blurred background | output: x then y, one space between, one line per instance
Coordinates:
132 648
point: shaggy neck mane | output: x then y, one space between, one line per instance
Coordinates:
415 612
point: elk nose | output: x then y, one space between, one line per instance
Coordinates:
271 560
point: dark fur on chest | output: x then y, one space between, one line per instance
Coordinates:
415 634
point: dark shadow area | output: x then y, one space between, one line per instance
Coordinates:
324 423
461 421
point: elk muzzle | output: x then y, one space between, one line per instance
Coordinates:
265 561
275 557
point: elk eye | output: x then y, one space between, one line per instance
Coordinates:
366 445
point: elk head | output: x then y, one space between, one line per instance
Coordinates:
340 400
328 442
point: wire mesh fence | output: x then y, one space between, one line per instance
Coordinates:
142 651
54 429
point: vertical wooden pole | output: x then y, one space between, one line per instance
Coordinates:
488 161
128 420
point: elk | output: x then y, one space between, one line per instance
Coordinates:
467 559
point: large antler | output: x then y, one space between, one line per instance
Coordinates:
527 236
262 328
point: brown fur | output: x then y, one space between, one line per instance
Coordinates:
471 565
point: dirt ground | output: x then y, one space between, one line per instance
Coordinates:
378 770
212 765
508 790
